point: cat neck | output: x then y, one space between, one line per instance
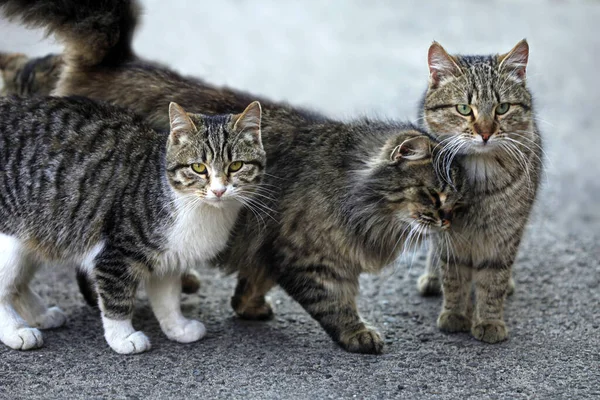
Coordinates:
377 231
197 233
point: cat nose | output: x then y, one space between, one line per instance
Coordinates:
485 136
219 192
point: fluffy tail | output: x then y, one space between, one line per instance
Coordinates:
94 31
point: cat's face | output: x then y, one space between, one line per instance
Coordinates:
407 181
477 104
215 159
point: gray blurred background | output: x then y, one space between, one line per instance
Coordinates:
351 58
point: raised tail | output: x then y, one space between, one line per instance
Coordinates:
93 31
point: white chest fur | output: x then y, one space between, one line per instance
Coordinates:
198 234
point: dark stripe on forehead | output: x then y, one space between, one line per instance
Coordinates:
439 107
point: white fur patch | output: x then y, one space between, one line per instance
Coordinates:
199 233
164 294
16 270
122 338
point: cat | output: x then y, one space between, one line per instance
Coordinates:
481 110
339 198
29 77
38 76
93 184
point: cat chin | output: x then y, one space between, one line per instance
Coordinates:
219 203
481 148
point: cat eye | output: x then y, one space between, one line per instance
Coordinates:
502 108
199 168
236 166
464 109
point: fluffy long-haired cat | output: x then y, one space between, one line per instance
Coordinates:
93 184
339 198
481 111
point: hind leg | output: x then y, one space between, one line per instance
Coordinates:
15 270
31 306
249 300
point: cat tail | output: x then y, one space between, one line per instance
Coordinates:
94 31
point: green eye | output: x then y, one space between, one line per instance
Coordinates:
199 168
464 109
502 108
236 166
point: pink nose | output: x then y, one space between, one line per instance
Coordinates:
218 192
485 136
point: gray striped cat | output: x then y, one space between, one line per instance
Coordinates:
92 184
480 109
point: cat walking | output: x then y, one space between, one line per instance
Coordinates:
89 183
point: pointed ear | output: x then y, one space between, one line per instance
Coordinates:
441 65
515 61
181 124
412 149
248 122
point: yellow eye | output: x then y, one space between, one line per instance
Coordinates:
464 109
502 108
199 168
236 166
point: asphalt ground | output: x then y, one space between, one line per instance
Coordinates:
349 58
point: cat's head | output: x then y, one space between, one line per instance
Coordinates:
215 159
478 104
405 180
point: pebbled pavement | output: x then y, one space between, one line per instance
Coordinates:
348 58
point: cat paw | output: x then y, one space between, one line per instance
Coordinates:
452 322
135 343
190 282
23 339
490 331
259 311
429 285
187 331
54 317
367 341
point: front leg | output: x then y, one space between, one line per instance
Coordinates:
429 282
492 285
329 296
164 293
456 286
117 283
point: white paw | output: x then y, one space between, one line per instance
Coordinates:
54 317
137 342
187 331
24 339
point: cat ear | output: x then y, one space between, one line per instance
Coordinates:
248 122
441 64
515 60
181 124
412 149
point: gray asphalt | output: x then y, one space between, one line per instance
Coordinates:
347 58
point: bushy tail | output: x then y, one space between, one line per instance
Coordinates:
93 31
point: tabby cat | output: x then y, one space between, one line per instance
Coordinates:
92 184
29 77
339 199
481 110
38 76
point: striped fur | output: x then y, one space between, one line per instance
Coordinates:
92 184
500 149
339 198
